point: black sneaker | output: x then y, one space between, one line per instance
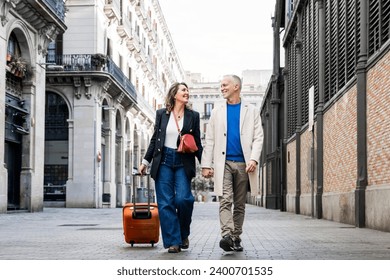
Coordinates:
185 243
237 245
226 243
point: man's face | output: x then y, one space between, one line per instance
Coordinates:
228 88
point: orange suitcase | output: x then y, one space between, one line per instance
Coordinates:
141 223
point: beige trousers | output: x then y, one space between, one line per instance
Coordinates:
232 201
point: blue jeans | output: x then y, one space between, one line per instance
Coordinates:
174 199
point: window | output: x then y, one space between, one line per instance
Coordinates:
13 45
310 61
208 107
56 117
379 24
342 21
292 89
121 62
130 74
51 52
289 9
54 51
109 51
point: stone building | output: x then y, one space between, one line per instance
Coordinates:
326 145
97 76
27 27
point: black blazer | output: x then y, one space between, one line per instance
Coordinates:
156 145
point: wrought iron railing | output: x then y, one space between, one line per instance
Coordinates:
57 6
101 63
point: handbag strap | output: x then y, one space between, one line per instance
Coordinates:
177 124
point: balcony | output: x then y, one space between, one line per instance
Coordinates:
57 6
112 9
141 56
124 29
98 64
147 23
42 14
140 10
134 44
147 65
152 34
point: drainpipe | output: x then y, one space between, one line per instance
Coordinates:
298 45
275 104
320 109
285 130
361 76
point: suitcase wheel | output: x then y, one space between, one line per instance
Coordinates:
152 242
132 244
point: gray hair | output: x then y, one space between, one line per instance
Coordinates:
235 79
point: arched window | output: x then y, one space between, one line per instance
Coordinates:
13 47
57 114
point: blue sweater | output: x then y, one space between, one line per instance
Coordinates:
233 144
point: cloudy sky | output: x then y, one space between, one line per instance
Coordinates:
216 37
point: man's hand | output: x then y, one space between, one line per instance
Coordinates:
251 166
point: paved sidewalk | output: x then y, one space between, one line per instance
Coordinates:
97 234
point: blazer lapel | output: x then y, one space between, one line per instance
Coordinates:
187 125
224 116
243 111
164 122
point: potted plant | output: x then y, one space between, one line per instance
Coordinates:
98 60
18 66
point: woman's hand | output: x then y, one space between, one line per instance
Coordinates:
142 169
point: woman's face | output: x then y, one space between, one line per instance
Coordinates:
182 94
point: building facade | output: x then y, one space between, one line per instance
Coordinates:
26 29
101 79
326 131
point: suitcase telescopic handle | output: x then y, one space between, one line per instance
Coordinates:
134 204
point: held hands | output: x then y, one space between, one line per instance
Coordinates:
250 167
207 172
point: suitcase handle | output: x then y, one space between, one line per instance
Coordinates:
142 215
134 204
139 174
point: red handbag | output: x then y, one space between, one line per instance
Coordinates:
187 141
187 144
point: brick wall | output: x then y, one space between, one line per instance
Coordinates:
340 140
291 168
378 123
340 155
306 143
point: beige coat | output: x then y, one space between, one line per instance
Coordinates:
214 150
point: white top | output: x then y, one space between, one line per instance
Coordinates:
172 133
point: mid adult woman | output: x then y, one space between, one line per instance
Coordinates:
172 171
